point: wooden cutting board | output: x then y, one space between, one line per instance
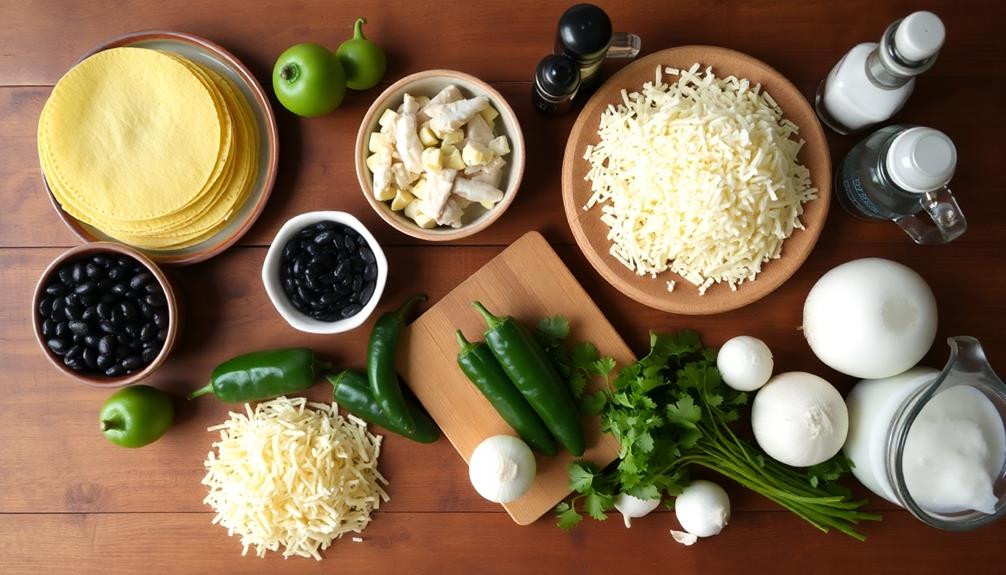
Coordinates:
528 281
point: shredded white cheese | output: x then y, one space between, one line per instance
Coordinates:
699 176
295 474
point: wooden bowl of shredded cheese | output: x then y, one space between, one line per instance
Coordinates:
697 180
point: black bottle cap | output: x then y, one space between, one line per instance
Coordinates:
557 75
585 31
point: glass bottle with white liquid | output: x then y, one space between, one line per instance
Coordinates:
934 442
898 172
873 81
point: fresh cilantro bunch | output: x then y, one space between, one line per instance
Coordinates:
669 411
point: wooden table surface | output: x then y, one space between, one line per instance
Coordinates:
72 503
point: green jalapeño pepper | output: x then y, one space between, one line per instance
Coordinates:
479 364
381 365
263 375
351 391
527 366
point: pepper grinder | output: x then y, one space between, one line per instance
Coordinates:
556 81
585 36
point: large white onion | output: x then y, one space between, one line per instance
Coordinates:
870 318
799 419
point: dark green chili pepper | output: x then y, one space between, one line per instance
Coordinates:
381 365
352 392
477 362
263 375
527 366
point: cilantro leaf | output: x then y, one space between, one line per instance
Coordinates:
684 412
568 517
596 504
603 367
645 492
555 328
593 403
584 355
581 476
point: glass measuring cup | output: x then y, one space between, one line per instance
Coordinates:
967 366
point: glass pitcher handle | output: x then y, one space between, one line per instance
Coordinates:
946 214
624 45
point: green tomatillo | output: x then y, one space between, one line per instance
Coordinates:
363 61
308 80
136 416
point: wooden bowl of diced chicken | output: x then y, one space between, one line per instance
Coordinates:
440 155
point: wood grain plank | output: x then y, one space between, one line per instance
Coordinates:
466 543
53 458
43 38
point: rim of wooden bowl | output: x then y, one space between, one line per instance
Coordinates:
169 295
516 162
685 299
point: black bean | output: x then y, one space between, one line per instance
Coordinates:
78 338
132 294
119 289
288 285
324 236
85 288
319 313
90 358
347 281
56 289
153 288
56 306
140 280
126 261
102 260
314 249
297 302
104 310
149 344
118 273
133 331
297 265
57 345
45 307
115 370
161 319
89 313
62 330
305 294
128 311
89 299
350 310
367 293
94 271
107 327
366 254
65 275
123 340
77 273
290 249
357 284
349 244
328 298
48 327
74 351
149 354
71 313
146 310
343 254
328 278
325 226
103 361
343 269
74 363
136 346
115 317
78 327
148 332
91 340
370 272
314 283
156 300
162 335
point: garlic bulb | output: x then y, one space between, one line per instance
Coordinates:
703 509
799 419
501 468
745 363
633 507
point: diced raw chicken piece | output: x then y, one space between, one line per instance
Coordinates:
407 143
489 173
449 117
409 105
382 181
403 177
452 214
476 191
437 191
446 96
478 131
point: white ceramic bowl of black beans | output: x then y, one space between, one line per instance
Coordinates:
105 314
325 272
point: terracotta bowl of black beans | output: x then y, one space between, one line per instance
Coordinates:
104 314
325 272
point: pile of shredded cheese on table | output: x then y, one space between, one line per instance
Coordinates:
699 176
295 474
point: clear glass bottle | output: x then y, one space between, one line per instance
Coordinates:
898 172
883 414
874 80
